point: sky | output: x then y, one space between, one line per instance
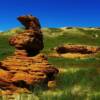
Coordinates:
51 13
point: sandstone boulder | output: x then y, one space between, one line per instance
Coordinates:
23 72
31 39
30 22
26 67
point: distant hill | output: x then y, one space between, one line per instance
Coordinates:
55 32
12 31
78 78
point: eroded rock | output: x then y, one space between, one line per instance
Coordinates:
83 49
30 22
74 51
28 71
26 67
31 40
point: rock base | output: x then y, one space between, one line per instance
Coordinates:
21 72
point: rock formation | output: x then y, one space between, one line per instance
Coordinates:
30 22
26 67
83 49
31 40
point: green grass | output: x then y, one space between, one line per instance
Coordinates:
79 80
62 62
5 48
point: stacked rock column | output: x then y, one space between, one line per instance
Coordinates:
27 67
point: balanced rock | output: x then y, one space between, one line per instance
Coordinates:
30 22
26 67
31 39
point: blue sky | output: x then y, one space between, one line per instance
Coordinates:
51 13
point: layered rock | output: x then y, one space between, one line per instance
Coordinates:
30 22
26 67
83 49
31 39
22 71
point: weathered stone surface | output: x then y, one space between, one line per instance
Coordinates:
30 22
31 39
26 67
83 49
26 70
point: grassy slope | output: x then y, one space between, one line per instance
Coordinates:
79 79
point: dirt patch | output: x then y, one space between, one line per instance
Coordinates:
70 55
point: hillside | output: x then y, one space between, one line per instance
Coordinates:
73 35
78 78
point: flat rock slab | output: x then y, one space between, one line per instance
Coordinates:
75 51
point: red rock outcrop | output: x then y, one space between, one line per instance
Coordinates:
83 49
30 22
26 67
31 39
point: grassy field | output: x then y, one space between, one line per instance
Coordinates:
79 79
